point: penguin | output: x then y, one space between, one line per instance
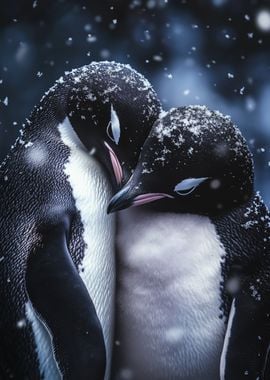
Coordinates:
193 289
57 270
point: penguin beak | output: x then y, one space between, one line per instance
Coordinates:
126 198
120 200
117 168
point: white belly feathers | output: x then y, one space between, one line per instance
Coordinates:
168 297
91 191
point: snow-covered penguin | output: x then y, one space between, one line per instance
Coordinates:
57 269
193 293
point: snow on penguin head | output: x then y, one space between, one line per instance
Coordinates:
194 160
112 109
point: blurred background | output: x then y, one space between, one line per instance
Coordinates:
212 52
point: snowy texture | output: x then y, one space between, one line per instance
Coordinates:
253 216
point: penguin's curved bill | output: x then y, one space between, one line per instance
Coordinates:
125 199
117 168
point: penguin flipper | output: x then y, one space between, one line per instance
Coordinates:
62 303
246 344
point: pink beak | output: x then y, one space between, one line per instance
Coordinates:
117 169
147 198
124 199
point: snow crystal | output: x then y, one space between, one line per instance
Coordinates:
233 285
263 20
151 4
125 374
28 145
98 18
252 212
87 27
69 41
250 104
92 151
215 184
218 3
5 101
190 151
174 334
60 80
36 155
21 323
91 39
105 53
147 171
157 58
91 96
255 294
241 91
147 35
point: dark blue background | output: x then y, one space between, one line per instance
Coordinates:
212 52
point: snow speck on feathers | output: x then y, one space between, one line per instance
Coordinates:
191 122
195 119
252 213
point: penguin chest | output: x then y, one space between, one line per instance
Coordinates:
168 300
91 191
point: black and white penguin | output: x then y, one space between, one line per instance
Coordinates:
193 293
57 269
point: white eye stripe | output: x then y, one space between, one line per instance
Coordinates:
114 123
108 130
187 192
189 184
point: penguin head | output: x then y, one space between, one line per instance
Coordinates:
112 109
194 160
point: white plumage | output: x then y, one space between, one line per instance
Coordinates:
168 296
92 193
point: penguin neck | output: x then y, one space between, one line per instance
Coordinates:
82 117
55 110
96 150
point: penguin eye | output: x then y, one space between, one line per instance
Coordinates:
113 128
188 185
